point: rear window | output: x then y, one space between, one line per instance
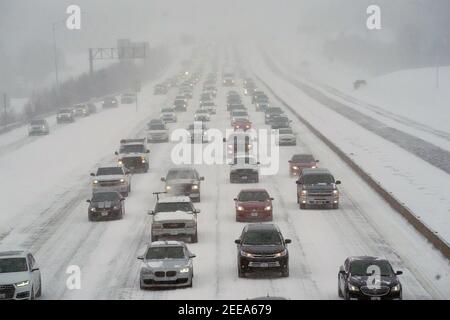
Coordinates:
303 158
253 196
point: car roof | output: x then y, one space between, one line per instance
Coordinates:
13 254
174 199
253 190
366 258
166 243
315 171
262 226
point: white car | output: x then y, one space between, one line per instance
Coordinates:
202 115
157 132
244 169
174 217
20 277
168 115
111 179
286 137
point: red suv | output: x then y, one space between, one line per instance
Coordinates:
299 162
253 205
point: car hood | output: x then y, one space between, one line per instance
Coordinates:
181 181
384 281
168 114
174 216
166 263
109 177
253 204
320 187
14 277
263 249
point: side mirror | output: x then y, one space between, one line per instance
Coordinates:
92 174
271 199
287 241
148 151
289 161
192 256
88 201
338 182
317 161
197 211
224 139
122 199
140 258
258 163
398 273
237 241
202 178
151 212
163 179
34 269
127 172
298 182
116 153
235 199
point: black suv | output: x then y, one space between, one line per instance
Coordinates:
358 279
262 247
106 206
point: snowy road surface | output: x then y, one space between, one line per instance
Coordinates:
47 213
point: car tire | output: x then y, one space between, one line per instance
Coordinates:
285 272
90 218
154 238
346 295
241 274
339 290
194 238
302 206
125 194
39 293
336 206
32 295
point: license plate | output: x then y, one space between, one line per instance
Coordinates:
173 233
375 298
264 265
104 213
254 214
244 177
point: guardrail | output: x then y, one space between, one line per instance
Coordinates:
414 219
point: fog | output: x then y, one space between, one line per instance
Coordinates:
412 34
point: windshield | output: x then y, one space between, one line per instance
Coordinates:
13 265
318 179
156 127
65 111
260 196
360 268
262 238
105 196
179 101
240 114
132 148
180 174
159 253
109 171
303 158
174 206
285 131
167 110
37 122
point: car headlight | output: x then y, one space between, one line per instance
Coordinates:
93 209
156 226
95 182
352 288
122 180
240 208
116 208
146 271
195 187
120 162
396 288
304 192
268 208
184 270
246 254
295 167
335 192
168 187
23 283
143 160
281 254
313 167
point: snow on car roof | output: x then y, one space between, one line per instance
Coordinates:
173 199
314 171
167 243
13 253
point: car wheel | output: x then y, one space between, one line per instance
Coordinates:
33 296
346 295
241 274
336 206
39 293
90 218
285 272
302 206
154 238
